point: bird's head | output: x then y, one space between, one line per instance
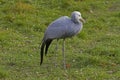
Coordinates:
76 17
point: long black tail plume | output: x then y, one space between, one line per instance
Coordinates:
42 51
48 42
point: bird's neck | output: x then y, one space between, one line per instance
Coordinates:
76 21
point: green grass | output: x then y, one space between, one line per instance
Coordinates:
94 54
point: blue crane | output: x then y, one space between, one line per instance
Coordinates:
62 28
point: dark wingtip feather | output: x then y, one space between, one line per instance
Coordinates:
41 53
48 42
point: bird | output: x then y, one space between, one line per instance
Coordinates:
61 28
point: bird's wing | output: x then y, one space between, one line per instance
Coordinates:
59 22
57 28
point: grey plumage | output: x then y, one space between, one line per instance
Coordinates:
63 27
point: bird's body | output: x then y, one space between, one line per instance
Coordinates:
62 28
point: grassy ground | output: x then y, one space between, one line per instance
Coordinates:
94 54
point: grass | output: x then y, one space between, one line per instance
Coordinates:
91 55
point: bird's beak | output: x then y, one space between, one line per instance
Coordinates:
81 19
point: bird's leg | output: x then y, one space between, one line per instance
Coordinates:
63 50
56 48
